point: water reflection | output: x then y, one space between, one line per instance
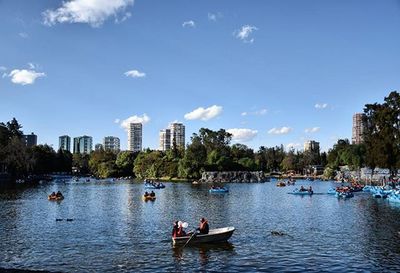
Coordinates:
205 252
114 230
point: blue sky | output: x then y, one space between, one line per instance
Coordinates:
271 72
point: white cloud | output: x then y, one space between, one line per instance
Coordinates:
214 16
321 105
241 134
135 74
293 146
190 23
280 131
23 35
134 119
117 120
123 19
92 12
25 76
312 130
204 113
31 66
244 33
260 112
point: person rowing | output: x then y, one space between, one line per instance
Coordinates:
203 228
152 194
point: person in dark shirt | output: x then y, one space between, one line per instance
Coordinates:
204 228
175 229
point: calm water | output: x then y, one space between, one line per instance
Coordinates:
115 231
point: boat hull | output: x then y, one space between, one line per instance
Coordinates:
214 236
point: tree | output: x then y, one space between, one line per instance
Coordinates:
102 163
125 162
382 134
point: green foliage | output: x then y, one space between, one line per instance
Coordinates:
102 163
148 164
124 162
382 134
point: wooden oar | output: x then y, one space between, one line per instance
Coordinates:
194 234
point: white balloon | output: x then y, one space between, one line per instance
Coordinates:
185 225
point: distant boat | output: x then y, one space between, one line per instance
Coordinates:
219 190
214 236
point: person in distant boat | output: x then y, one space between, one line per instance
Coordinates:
59 194
203 228
146 194
302 188
53 194
152 194
310 189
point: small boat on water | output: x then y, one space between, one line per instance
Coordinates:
55 198
344 194
299 192
219 190
154 186
281 184
214 236
148 198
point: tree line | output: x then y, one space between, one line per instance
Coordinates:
18 160
211 150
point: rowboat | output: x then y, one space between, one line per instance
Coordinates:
298 192
154 186
55 198
214 236
219 190
148 198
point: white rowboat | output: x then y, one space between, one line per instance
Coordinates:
214 236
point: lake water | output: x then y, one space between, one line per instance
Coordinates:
113 230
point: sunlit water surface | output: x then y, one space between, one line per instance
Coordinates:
113 230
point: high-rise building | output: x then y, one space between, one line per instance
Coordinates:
359 124
165 140
30 140
83 145
64 143
135 137
111 143
177 134
312 146
174 135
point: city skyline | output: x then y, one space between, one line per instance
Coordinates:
253 70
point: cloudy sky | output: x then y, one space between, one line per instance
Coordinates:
269 72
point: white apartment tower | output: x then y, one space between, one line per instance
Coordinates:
111 143
175 135
165 140
135 137
312 146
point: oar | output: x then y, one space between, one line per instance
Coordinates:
194 234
